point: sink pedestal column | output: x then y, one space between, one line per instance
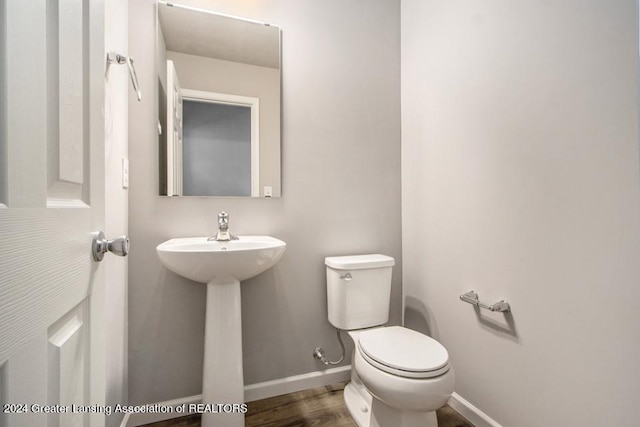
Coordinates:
222 378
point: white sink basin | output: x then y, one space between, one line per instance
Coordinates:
204 261
221 265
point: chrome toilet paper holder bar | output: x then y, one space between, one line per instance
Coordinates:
472 298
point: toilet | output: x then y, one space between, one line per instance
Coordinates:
399 377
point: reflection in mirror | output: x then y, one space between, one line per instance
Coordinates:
219 104
3 106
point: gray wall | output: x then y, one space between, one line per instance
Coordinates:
521 180
340 195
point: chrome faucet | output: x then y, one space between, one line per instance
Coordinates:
223 233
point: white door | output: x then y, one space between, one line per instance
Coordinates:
174 132
52 350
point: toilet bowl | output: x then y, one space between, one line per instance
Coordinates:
399 377
411 372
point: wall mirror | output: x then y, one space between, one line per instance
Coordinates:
219 104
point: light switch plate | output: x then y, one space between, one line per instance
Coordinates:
125 173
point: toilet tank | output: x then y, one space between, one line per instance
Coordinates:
358 290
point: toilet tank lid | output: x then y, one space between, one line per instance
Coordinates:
358 262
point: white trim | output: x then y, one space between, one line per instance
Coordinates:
474 415
296 383
138 419
210 12
252 392
174 132
255 148
246 101
218 98
63 203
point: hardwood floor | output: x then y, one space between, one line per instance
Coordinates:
322 406
317 407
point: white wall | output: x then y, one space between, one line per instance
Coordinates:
117 88
340 195
520 179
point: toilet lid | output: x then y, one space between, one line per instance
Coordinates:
403 352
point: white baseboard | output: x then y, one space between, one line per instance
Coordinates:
133 420
251 392
296 383
474 415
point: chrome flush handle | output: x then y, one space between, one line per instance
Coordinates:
347 277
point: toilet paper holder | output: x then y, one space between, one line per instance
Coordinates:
472 298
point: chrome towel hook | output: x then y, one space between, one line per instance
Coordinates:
116 58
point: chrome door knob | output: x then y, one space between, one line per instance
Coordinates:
118 246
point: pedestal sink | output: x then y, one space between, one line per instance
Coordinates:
221 265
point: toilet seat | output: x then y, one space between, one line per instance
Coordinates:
403 352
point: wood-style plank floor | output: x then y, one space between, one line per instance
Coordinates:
317 407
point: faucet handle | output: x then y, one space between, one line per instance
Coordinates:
223 218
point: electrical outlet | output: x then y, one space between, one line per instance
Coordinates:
268 191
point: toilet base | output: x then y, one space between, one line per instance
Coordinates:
368 411
358 405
